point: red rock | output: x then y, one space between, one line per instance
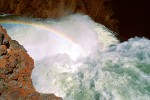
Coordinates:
98 10
3 49
15 72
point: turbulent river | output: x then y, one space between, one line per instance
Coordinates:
78 59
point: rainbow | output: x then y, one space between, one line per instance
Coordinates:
38 25
47 27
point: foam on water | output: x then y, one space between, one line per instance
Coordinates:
91 68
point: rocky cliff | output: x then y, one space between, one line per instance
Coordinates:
15 71
132 16
99 10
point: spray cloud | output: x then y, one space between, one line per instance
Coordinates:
81 64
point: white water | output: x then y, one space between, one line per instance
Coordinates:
91 68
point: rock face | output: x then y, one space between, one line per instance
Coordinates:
99 10
132 16
15 71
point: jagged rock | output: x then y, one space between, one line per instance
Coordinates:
15 71
1 37
5 42
3 50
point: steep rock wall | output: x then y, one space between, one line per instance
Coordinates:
15 71
98 10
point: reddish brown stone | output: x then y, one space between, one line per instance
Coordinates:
98 10
15 72
3 50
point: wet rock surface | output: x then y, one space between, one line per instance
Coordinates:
128 18
15 71
98 10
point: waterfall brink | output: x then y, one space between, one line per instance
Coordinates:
78 59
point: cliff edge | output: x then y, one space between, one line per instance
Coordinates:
15 71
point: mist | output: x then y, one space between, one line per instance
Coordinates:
85 62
